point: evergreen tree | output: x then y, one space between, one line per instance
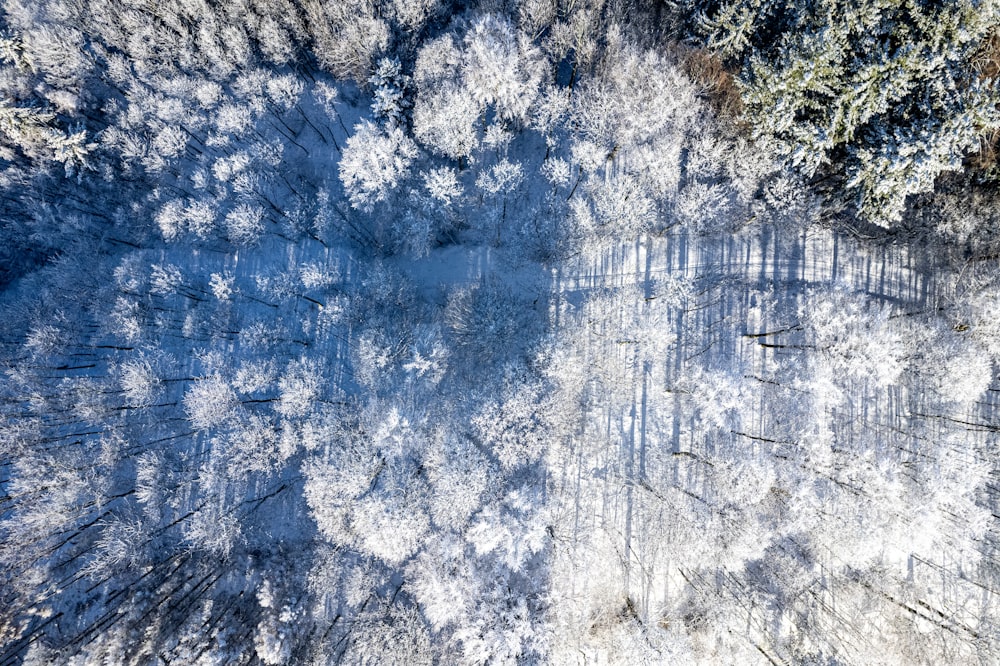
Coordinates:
882 93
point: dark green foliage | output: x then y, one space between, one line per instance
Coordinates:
881 92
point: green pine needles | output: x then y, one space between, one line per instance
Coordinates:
882 92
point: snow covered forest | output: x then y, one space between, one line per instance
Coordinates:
402 332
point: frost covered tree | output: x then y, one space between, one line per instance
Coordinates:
494 66
347 36
375 162
210 402
885 94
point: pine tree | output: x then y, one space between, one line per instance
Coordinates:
883 93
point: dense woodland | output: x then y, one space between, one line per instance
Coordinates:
499 332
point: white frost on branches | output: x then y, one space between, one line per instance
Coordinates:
374 163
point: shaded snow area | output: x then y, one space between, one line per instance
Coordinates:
476 355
